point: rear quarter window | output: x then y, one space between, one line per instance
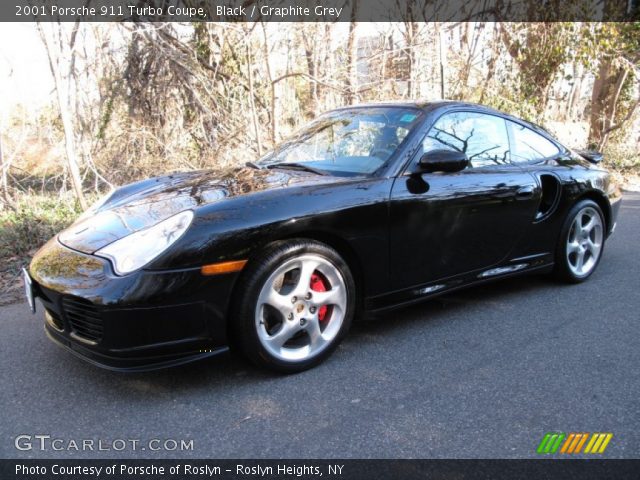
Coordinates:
528 145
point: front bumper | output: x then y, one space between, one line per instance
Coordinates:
142 321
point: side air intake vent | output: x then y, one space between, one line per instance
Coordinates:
550 195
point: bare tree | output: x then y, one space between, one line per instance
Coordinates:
167 96
60 45
6 198
275 101
252 103
607 88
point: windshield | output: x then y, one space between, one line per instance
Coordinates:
354 141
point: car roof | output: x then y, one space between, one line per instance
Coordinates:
421 104
430 106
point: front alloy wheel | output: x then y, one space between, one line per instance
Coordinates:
301 295
301 308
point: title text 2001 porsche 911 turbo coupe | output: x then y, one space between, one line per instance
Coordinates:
367 208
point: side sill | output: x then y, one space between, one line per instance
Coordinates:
460 285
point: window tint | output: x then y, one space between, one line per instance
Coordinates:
528 145
482 137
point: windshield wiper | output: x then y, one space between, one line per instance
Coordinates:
254 165
298 166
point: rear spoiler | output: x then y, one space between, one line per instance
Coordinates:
591 155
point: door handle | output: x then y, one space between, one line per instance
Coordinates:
524 193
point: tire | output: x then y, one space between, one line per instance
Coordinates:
295 304
581 242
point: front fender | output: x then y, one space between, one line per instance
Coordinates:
238 228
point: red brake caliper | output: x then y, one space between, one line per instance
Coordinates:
318 284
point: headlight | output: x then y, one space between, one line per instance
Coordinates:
136 250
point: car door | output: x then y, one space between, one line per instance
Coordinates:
445 224
538 155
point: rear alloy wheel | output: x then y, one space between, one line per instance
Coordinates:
582 241
299 303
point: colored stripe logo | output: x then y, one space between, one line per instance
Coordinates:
573 443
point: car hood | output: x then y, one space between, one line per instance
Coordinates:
143 204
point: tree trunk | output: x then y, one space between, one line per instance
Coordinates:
5 183
576 89
252 103
491 64
70 148
442 57
274 99
411 34
612 107
351 84
62 65
604 99
310 57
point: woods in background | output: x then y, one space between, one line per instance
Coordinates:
135 100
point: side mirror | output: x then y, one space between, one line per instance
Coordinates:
443 161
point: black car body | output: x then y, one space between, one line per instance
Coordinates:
406 235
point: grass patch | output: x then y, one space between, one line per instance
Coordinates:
35 220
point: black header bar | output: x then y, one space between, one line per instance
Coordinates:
318 10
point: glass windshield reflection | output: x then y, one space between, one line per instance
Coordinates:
355 141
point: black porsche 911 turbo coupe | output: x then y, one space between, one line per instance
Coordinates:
367 208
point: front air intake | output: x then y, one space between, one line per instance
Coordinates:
83 318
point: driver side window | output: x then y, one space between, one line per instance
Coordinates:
483 138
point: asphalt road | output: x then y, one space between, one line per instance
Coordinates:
477 374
